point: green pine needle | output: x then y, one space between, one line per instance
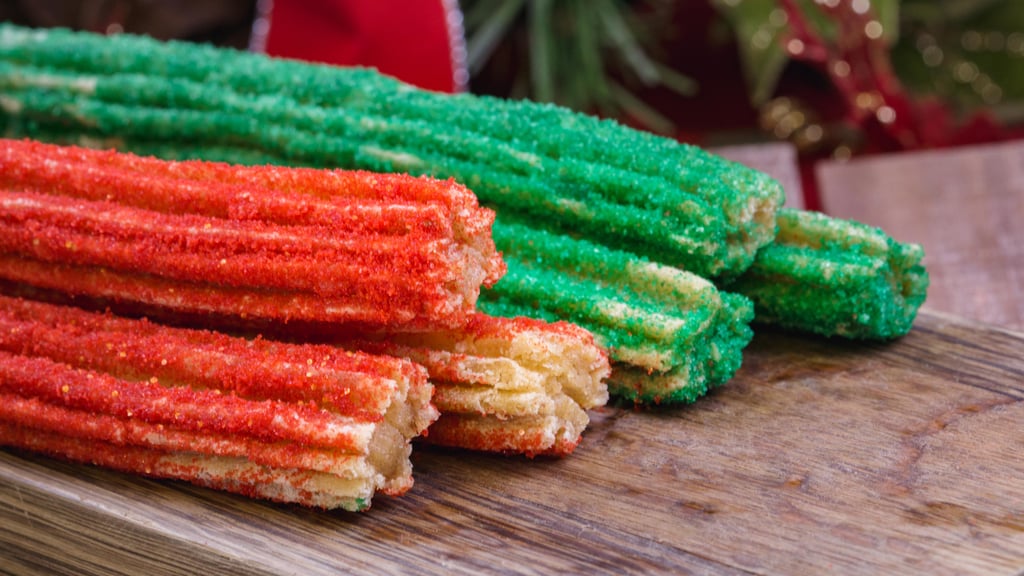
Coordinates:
581 53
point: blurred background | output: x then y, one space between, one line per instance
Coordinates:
834 78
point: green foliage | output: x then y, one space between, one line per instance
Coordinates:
758 26
588 55
968 53
597 55
762 29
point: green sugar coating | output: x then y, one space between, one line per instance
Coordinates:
732 333
580 257
627 385
721 354
649 195
583 303
565 134
695 333
357 505
835 277
310 148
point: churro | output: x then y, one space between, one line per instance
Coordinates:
832 277
262 242
671 335
512 385
307 424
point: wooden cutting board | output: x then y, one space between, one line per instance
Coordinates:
819 457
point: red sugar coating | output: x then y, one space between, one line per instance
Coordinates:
254 482
387 250
309 424
38 415
149 192
233 253
213 188
179 406
81 450
457 430
349 383
170 295
482 325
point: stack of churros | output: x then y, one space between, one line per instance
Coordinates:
552 175
348 252
651 201
659 254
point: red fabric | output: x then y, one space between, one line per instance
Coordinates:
407 39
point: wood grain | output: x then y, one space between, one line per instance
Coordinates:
819 457
965 206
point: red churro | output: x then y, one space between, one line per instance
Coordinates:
39 415
514 385
174 402
303 244
350 383
306 487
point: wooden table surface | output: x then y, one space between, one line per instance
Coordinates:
964 205
820 457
